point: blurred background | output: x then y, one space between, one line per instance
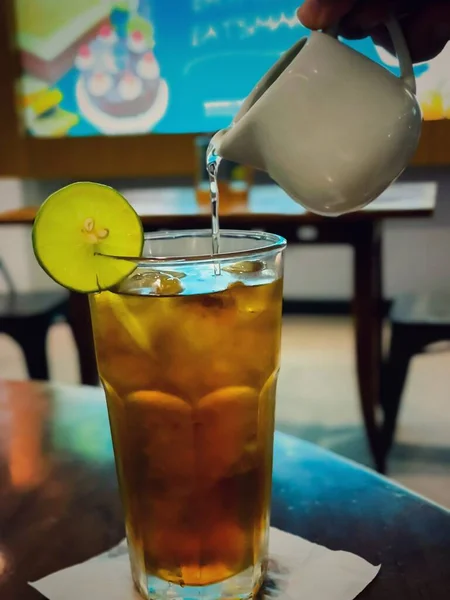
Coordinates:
127 93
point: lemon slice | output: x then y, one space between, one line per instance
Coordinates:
77 232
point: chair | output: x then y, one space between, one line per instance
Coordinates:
26 317
417 321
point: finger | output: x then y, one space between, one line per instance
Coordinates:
427 32
318 14
366 15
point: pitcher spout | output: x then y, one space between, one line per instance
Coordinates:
215 143
238 144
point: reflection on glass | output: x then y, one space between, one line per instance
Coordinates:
27 462
81 427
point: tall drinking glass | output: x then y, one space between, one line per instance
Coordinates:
188 352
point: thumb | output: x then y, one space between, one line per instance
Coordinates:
318 14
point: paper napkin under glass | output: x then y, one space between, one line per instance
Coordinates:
298 570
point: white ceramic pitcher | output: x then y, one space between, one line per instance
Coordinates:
330 126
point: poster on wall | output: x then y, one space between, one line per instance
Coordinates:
124 67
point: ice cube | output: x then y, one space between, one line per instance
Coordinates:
210 302
245 266
236 284
250 300
177 274
167 285
153 282
140 278
124 351
162 428
226 430
266 413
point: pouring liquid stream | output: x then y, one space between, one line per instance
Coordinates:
212 166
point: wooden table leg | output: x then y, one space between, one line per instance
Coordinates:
80 322
368 328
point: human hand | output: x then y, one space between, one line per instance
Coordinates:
425 23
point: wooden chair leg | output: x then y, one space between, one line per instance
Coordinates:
402 349
79 319
368 329
32 338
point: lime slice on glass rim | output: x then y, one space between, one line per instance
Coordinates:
79 232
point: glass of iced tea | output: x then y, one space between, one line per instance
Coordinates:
188 350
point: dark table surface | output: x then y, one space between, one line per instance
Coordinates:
59 502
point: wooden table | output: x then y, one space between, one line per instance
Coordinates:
59 503
269 208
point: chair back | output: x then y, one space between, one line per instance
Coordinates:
10 287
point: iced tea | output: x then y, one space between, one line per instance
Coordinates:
190 381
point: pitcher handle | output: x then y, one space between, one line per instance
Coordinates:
403 54
401 50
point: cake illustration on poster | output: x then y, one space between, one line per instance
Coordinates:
120 89
89 67
116 67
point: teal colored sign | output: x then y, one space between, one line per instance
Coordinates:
96 67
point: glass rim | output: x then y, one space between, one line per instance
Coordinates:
273 242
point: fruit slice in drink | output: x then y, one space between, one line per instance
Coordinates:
79 228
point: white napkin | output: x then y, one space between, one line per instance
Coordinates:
298 569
